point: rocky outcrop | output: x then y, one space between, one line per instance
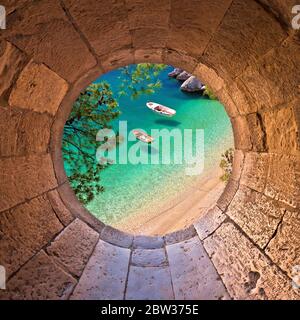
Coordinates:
192 84
183 76
175 72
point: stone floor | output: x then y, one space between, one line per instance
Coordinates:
211 260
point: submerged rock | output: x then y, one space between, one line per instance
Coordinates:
175 72
192 84
183 76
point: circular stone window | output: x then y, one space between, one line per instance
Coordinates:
148 148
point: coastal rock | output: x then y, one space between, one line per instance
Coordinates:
183 76
175 72
192 84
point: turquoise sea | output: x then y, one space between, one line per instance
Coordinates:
133 188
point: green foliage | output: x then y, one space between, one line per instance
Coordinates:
226 164
207 92
140 79
94 109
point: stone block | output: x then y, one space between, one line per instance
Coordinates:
284 248
147 242
255 170
150 283
247 28
19 136
104 276
23 178
43 30
245 271
238 164
38 89
180 235
193 274
256 214
283 181
73 246
281 131
116 237
228 194
107 34
11 63
60 209
39 279
241 133
27 228
209 222
149 258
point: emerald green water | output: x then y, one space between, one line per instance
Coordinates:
130 188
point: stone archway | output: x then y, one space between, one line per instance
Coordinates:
247 53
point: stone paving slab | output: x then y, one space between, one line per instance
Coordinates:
146 242
149 283
256 214
149 258
116 237
209 222
245 271
180 235
104 276
39 279
284 248
73 246
193 274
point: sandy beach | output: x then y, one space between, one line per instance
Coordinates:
178 212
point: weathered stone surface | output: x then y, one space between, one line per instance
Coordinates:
193 275
275 73
245 271
141 16
105 274
24 178
149 257
209 222
116 237
257 133
284 248
179 60
38 89
149 38
19 135
248 27
145 242
282 131
60 209
27 228
43 30
110 32
205 16
238 164
152 55
228 103
152 283
11 63
209 76
73 247
117 59
180 235
228 194
257 215
283 182
40 279
241 133
255 170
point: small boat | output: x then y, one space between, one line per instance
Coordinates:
163 110
142 136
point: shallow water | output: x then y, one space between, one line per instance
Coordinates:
133 188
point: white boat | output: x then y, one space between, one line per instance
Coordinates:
142 136
163 110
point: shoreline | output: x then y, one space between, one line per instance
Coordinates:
178 212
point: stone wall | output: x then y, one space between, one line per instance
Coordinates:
247 53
